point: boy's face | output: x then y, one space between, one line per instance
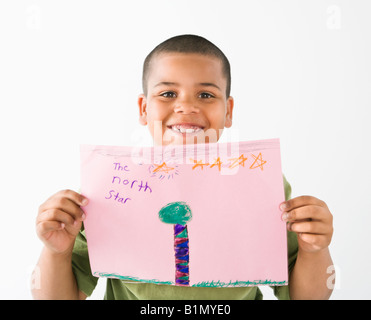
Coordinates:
186 99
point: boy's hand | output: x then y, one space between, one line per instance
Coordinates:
59 220
311 219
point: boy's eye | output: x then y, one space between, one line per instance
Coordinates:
168 94
205 95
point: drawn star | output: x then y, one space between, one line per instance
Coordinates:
162 168
238 161
217 163
162 171
256 163
198 164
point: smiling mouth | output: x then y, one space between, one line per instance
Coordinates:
186 128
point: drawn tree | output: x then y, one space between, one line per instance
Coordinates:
178 214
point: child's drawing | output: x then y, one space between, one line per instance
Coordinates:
179 213
237 235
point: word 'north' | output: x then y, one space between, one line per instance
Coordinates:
132 184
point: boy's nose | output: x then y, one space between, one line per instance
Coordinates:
186 108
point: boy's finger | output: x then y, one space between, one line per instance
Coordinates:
44 227
301 202
56 215
75 197
78 198
66 205
61 220
312 227
312 212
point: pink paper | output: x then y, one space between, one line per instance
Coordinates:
231 190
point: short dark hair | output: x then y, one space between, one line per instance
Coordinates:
188 43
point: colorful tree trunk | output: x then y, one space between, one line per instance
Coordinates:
179 213
181 255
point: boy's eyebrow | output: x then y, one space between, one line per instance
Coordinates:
204 84
209 84
166 83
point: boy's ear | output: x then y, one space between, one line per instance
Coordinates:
229 113
142 103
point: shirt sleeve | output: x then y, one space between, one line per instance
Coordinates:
86 282
282 292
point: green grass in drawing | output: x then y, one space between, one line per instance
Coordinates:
209 284
178 214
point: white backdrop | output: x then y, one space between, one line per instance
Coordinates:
70 73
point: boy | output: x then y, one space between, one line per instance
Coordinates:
186 99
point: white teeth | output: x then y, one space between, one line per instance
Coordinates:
183 129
